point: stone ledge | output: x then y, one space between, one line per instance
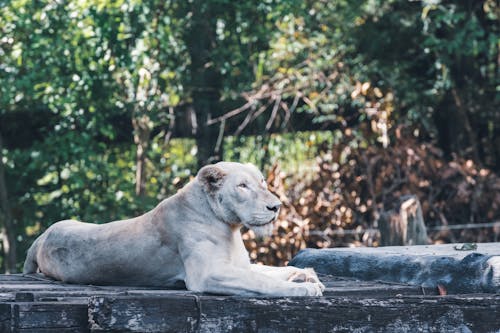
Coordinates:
460 272
32 303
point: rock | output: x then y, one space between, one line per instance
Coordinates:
426 265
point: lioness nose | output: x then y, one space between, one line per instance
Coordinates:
274 207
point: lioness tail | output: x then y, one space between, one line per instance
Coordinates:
30 264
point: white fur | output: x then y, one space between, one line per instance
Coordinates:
192 237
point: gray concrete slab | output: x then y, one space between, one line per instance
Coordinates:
475 271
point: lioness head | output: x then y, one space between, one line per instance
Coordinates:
238 194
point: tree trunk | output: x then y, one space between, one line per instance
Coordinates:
463 116
205 82
404 224
6 221
456 133
142 133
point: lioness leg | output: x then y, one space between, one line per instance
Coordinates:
220 277
239 281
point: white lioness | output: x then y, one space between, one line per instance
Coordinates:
192 237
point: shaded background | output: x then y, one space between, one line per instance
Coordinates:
108 107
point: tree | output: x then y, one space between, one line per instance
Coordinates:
390 62
204 81
7 224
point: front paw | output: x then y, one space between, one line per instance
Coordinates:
306 275
310 289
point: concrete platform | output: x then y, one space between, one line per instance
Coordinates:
33 304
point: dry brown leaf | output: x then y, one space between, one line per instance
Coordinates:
442 290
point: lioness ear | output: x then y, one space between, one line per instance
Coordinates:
211 177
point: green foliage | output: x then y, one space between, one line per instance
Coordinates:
295 152
356 61
84 83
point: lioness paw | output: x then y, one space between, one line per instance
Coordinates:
312 289
305 275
